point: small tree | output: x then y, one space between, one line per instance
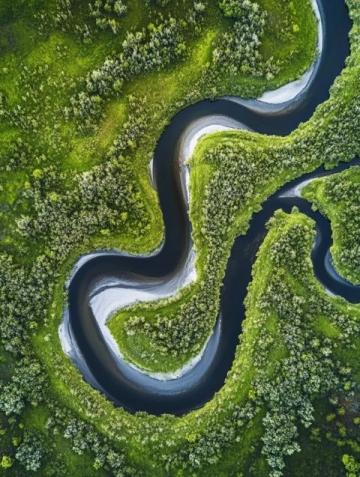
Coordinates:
30 452
6 462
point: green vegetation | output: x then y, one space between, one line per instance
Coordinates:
86 89
338 197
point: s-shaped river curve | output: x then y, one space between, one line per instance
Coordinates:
126 279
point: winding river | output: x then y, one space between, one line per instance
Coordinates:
106 281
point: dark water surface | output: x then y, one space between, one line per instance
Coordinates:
133 390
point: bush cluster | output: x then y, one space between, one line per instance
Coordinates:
107 13
238 50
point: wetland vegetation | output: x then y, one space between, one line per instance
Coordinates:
86 89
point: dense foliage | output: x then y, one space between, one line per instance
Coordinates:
339 198
108 13
86 88
239 49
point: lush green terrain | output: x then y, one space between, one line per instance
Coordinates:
338 197
83 101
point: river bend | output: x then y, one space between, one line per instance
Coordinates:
83 331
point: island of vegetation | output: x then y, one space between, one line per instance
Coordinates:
86 91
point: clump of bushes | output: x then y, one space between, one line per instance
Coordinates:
107 13
238 50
